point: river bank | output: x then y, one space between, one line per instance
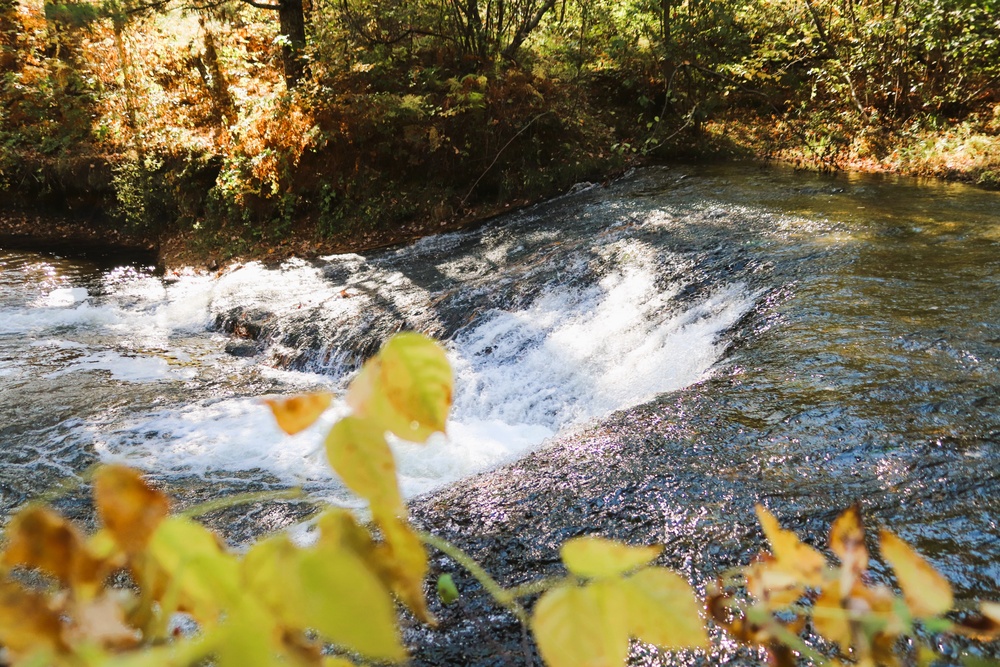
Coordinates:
964 152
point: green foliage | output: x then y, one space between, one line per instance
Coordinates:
501 100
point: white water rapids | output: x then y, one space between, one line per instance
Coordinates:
574 353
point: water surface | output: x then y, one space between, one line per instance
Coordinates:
674 348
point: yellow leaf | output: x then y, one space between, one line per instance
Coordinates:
831 620
347 603
773 584
267 573
180 653
27 623
337 662
358 452
38 537
847 541
339 530
297 413
990 610
250 637
407 387
128 508
927 593
791 554
595 557
187 561
102 545
663 610
403 560
400 560
582 626
326 588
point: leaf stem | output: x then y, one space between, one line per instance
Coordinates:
68 484
762 616
502 596
530 588
238 499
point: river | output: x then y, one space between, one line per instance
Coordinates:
645 360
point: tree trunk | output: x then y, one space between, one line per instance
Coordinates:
525 29
9 27
292 24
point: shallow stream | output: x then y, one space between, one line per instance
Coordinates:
646 360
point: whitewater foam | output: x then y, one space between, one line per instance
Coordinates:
522 376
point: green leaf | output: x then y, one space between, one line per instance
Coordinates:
663 610
446 589
327 588
348 604
594 557
582 626
187 561
407 387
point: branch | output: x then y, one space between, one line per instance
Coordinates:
261 5
497 157
501 595
242 499
526 28
828 43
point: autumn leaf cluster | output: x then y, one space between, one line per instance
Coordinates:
336 602
795 585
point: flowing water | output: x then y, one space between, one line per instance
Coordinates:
673 347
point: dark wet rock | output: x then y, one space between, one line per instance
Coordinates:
242 348
246 323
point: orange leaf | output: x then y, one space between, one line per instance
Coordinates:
772 584
128 507
830 618
102 621
26 621
38 537
847 540
927 593
986 626
297 413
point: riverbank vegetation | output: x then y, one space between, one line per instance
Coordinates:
302 125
